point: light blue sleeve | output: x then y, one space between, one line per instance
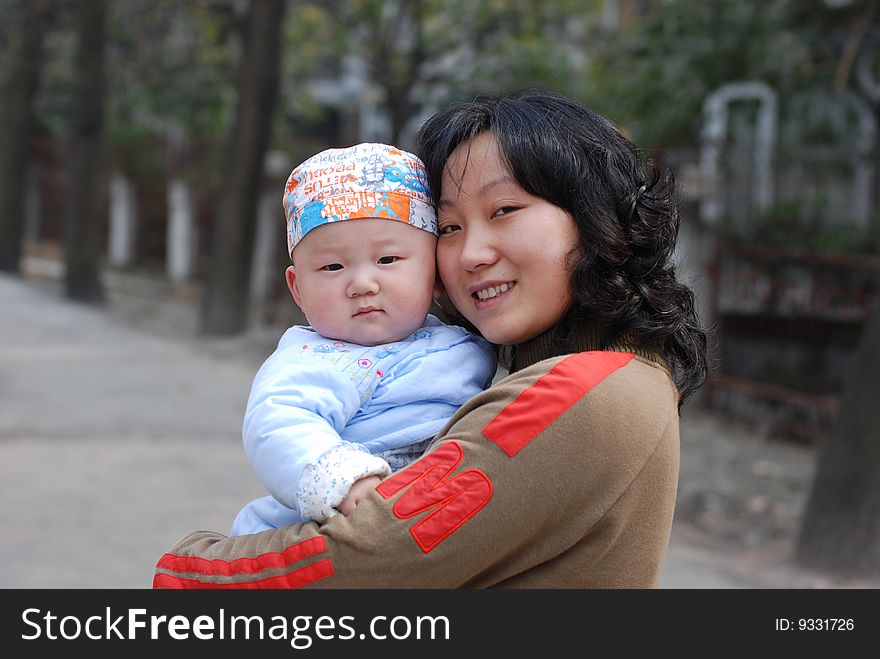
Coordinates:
297 408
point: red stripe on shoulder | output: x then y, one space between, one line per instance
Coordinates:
550 396
221 567
294 579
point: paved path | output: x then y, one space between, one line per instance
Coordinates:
115 442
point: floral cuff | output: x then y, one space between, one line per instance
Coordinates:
325 483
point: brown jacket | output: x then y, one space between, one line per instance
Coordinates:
562 475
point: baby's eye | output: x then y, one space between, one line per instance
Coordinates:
387 260
332 267
449 228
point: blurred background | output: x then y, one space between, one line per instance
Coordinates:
143 150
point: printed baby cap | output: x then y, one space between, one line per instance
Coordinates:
359 182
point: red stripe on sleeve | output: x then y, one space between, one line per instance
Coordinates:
224 568
295 579
552 394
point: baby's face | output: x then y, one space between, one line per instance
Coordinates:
364 281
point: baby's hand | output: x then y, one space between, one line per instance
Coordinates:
359 490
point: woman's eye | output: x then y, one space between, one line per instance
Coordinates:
331 267
505 210
449 228
387 260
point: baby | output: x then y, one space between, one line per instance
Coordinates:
362 390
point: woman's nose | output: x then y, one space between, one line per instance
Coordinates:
478 249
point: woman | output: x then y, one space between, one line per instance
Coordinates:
556 239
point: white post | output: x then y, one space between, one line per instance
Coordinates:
181 235
715 113
123 221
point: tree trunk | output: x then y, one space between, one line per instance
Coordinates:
226 296
16 124
82 240
840 532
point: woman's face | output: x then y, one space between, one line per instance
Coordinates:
503 255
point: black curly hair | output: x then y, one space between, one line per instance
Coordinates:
623 283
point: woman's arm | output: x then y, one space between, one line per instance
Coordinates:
561 475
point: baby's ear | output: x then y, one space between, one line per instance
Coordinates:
290 278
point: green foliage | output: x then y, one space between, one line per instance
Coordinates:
420 54
314 43
787 226
55 100
170 64
656 75
167 63
542 48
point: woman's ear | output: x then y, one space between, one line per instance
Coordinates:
290 278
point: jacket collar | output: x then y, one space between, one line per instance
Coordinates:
585 339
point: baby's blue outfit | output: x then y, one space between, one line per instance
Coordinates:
323 413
